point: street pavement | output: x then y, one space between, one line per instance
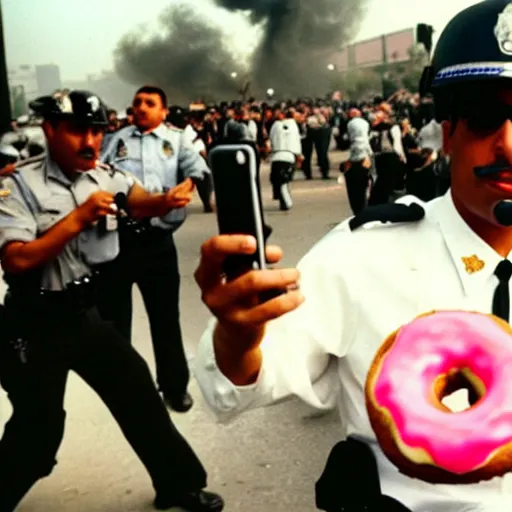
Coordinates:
266 461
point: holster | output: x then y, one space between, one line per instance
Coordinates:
350 482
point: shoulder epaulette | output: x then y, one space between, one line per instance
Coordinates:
31 160
388 213
110 168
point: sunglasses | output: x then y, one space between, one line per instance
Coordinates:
486 119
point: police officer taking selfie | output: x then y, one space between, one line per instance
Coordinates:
58 221
393 263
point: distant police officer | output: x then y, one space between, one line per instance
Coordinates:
286 153
160 157
57 221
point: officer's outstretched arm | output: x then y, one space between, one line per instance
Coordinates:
254 353
142 204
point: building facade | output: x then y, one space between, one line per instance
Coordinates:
385 49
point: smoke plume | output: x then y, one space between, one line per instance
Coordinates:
190 60
300 37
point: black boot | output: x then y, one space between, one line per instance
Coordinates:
181 403
199 501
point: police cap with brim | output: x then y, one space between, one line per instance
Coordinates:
81 107
476 45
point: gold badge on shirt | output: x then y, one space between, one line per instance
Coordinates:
167 149
473 264
5 192
121 149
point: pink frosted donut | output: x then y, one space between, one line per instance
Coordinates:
421 363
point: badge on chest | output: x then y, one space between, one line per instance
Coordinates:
121 149
167 149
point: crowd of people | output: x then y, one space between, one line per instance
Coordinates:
408 159
90 202
121 184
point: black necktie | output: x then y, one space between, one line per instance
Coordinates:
501 300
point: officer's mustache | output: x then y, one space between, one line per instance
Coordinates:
489 171
87 153
503 210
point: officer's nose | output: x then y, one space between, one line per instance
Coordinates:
503 147
89 137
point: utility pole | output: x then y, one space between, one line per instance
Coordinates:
5 96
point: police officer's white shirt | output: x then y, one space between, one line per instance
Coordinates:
189 133
358 131
197 143
285 141
359 287
431 136
252 130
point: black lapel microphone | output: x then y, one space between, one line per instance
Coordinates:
503 210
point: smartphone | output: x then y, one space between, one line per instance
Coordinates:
237 198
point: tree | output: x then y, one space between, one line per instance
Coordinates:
359 83
409 75
383 80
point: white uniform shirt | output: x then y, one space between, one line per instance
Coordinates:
359 287
252 130
431 136
190 133
285 141
358 130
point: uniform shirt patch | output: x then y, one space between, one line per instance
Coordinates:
121 149
167 149
473 264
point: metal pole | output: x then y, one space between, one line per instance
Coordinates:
5 96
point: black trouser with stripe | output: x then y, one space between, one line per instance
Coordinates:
320 139
357 179
149 260
61 339
281 174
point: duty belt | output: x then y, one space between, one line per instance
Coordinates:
78 295
136 232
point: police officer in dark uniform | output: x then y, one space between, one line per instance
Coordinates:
58 219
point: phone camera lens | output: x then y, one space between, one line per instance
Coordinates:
240 157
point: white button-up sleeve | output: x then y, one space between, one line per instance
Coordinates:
396 135
300 349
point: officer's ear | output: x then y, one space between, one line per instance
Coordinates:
165 114
448 133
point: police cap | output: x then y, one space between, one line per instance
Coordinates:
78 106
475 47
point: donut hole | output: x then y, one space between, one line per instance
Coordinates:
458 390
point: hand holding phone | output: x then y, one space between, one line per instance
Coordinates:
238 205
